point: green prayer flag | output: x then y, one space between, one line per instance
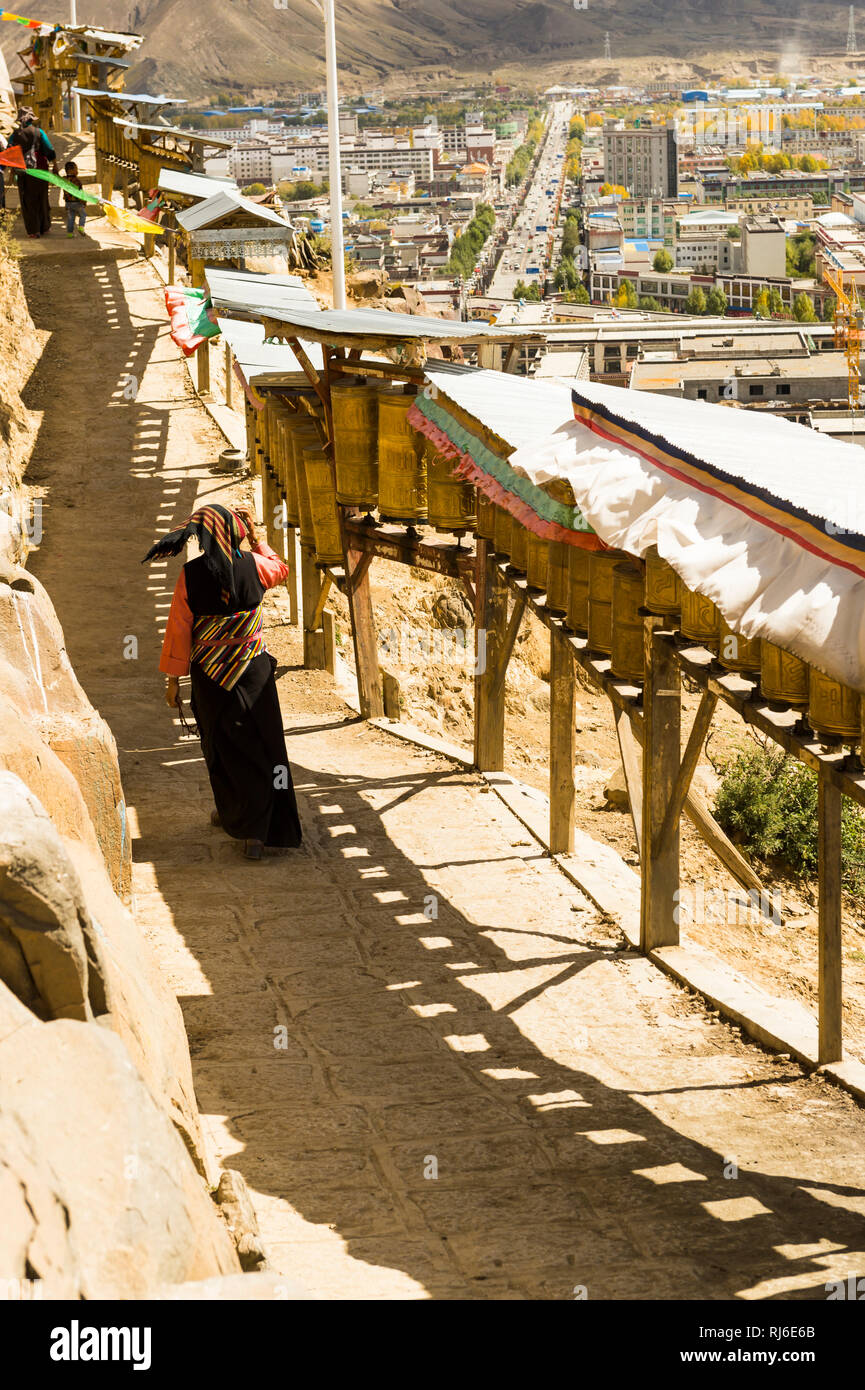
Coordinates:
67 187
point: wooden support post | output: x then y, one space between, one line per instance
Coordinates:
391 694
364 636
659 865
329 635
229 377
690 758
491 611
629 747
291 581
830 1046
172 255
149 245
203 362
313 638
563 710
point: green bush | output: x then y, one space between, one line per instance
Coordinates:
767 803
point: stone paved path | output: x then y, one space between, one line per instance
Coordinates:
441 1075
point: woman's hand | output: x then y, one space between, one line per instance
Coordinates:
172 691
248 522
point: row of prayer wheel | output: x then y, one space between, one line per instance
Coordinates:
604 595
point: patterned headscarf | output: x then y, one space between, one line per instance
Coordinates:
218 532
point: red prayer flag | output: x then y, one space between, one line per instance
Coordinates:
13 158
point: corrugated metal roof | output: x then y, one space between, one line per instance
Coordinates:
257 358
223 203
199 137
247 293
191 185
383 327
87 31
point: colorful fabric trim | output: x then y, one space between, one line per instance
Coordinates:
846 550
224 646
28 23
218 532
477 464
191 317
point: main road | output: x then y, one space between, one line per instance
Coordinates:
526 255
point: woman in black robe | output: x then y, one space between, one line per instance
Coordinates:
38 153
214 632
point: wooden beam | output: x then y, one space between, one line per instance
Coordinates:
563 710
365 644
830 1046
491 611
504 654
632 767
314 622
310 373
313 639
360 569
659 868
229 377
513 357
690 758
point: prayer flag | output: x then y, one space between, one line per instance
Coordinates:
191 318
67 187
126 221
13 158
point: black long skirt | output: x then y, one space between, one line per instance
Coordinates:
35 207
244 749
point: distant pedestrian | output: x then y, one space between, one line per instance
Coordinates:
76 208
38 153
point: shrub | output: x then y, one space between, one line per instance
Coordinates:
767 802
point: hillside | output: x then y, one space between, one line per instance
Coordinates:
273 46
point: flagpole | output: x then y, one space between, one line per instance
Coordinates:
76 100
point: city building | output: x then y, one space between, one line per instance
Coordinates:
643 159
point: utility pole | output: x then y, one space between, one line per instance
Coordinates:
336 237
851 34
608 53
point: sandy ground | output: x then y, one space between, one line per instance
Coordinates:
399 1032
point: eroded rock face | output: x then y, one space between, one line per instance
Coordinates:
100 1197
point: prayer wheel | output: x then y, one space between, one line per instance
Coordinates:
663 585
322 505
288 480
452 507
737 653
627 655
355 437
402 482
304 437
601 566
558 569
519 546
833 708
536 561
486 517
577 618
701 621
783 677
502 532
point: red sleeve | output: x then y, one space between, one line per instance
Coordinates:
271 570
177 644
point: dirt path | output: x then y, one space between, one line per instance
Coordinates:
440 1074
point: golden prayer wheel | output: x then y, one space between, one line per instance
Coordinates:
322 506
304 437
402 482
502 532
738 653
355 437
601 566
783 677
452 506
536 561
486 517
627 655
558 568
285 471
663 585
833 708
701 621
577 618
519 546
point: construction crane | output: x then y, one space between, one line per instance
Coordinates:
848 330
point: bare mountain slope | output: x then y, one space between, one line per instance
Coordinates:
198 49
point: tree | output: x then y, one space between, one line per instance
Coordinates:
776 303
696 301
761 305
829 308
649 304
662 261
254 190
803 308
627 295
716 302
578 296
527 292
